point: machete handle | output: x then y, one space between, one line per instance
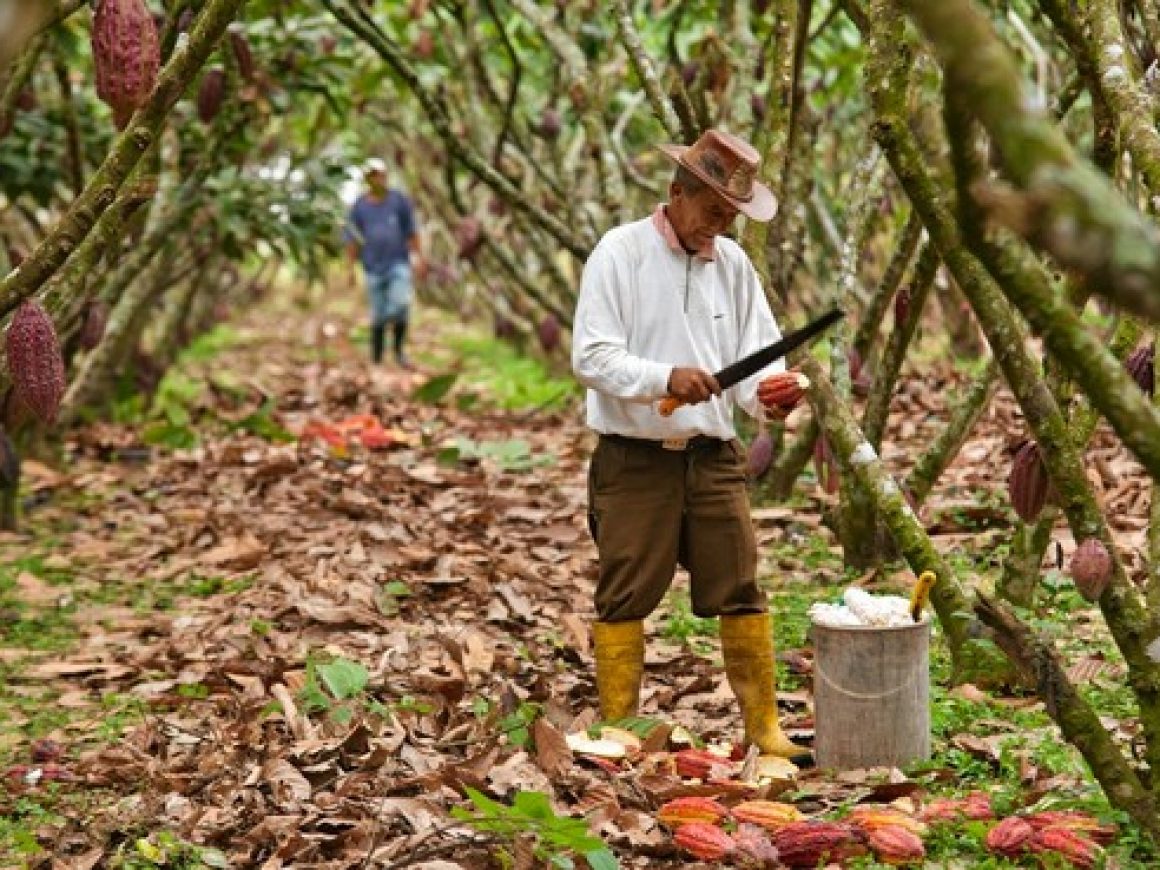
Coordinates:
667 405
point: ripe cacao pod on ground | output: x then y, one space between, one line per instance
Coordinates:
1010 838
975 806
1078 850
34 360
810 843
896 845
704 841
1028 483
1091 568
760 455
682 811
126 55
549 333
870 816
697 763
1141 366
211 94
93 326
771 815
754 847
1077 820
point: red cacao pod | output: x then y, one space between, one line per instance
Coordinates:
1091 568
126 55
783 390
243 54
975 806
682 811
1076 820
34 360
211 94
1141 366
1028 483
549 332
93 326
896 845
704 841
185 20
760 455
698 763
810 843
870 816
1010 838
901 305
1078 850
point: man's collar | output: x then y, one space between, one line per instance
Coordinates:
660 220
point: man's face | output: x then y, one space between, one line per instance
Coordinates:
697 219
377 181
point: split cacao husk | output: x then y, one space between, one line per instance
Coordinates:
704 841
1091 568
34 361
1028 484
1010 838
682 811
126 55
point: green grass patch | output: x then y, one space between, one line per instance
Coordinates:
495 373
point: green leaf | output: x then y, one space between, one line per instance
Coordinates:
434 390
344 678
533 804
601 859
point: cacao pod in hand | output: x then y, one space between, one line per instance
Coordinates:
782 390
896 845
211 94
34 361
549 333
126 55
760 455
1028 483
1077 849
704 841
1141 366
1010 838
1091 568
682 811
93 327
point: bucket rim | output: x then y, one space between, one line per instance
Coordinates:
926 623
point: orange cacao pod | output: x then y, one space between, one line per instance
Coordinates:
754 846
1091 568
771 815
34 361
783 390
211 94
1010 837
704 841
760 455
1141 366
870 816
809 843
126 55
549 332
682 811
1076 820
896 845
1080 851
1028 483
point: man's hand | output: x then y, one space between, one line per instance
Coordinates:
693 386
421 268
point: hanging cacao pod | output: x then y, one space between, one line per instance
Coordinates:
93 328
901 305
826 466
243 54
1091 568
550 124
469 235
1141 366
549 333
760 455
126 55
505 330
34 360
1028 483
211 94
860 379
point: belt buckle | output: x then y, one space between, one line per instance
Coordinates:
675 443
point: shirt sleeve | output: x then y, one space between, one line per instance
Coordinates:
758 329
600 356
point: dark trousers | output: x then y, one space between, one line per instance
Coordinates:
651 509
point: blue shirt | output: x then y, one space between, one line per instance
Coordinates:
383 229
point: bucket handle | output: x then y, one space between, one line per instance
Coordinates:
865 696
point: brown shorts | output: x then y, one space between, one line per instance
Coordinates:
651 509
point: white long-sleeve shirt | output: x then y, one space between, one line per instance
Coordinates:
645 308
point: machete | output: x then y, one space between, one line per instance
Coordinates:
755 362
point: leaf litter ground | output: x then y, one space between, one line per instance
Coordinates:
305 652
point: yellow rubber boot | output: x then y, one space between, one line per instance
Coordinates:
619 648
747 644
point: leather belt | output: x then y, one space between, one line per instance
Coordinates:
696 442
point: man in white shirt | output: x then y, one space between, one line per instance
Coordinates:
664 302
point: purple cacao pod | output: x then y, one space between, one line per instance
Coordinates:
243 54
126 55
826 466
1091 568
550 124
93 327
549 333
211 94
760 455
505 330
1028 484
1141 366
34 360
